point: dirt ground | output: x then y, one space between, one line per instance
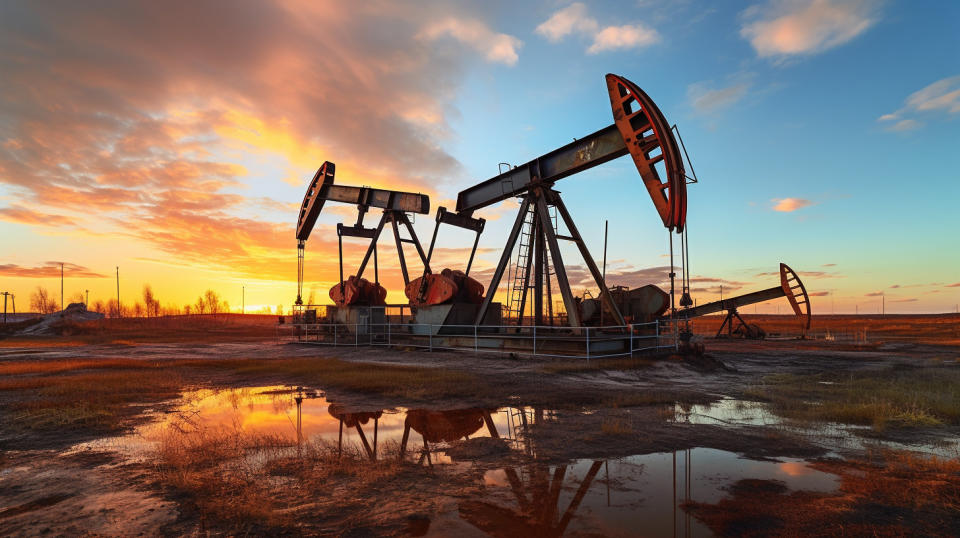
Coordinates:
53 483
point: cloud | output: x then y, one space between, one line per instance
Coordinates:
499 48
808 274
910 300
783 28
818 293
628 36
574 19
135 117
48 270
936 100
788 205
22 215
873 294
569 20
706 100
829 265
954 285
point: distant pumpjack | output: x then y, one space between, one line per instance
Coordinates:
395 205
790 287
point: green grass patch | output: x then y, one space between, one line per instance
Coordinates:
894 397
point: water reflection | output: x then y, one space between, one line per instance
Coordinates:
637 495
626 496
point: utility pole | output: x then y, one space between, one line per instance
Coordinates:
118 291
5 294
883 304
87 300
62 306
243 300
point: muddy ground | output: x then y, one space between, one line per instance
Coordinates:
51 482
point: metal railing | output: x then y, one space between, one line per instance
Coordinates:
527 340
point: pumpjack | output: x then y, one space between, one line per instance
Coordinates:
639 130
356 290
790 287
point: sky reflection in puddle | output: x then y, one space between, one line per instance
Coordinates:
628 496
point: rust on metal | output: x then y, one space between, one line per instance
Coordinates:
796 293
312 203
447 286
645 131
358 291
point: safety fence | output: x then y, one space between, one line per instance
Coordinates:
527 340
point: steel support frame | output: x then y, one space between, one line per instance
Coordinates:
464 221
374 234
546 248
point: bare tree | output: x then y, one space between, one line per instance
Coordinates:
112 310
137 310
187 309
213 302
41 301
200 307
99 307
150 301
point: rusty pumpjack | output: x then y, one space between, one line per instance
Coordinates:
640 130
395 205
790 287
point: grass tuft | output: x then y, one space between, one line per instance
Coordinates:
891 398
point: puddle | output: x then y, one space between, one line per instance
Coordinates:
727 411
623 497
297 416
641 494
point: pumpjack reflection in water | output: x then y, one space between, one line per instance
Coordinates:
444 427
540 491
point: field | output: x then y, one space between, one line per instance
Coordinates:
195 425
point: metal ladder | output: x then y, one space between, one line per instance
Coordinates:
519 270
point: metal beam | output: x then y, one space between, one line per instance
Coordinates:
322 189
504 260
732 303
588 259
373 245
573 316
577 156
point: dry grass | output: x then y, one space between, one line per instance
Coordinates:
941 329
57 366
409 382
96 395
253 484
895 397
202 328
97 401
890 494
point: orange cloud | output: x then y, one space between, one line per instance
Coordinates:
49 270
788 205
783 28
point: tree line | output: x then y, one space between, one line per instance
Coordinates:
148 305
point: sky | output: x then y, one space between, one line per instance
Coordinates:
175 140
